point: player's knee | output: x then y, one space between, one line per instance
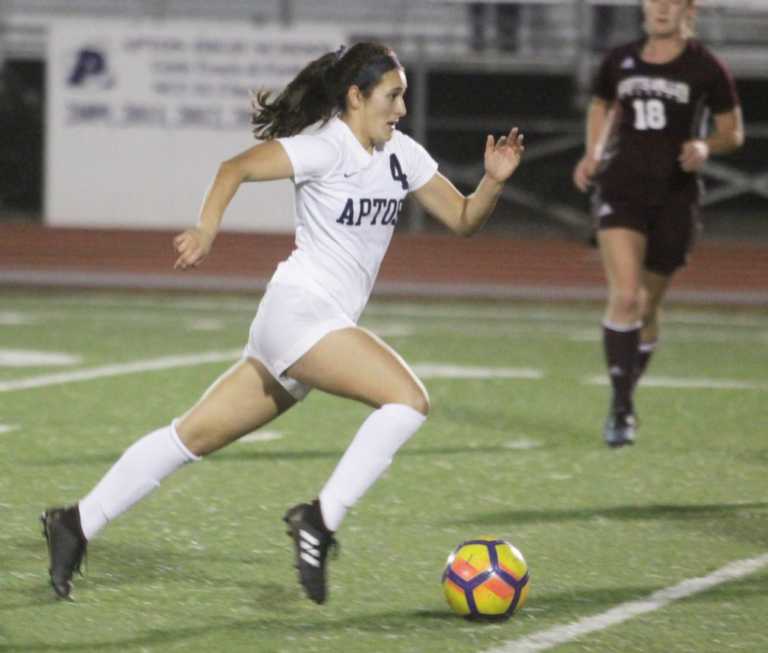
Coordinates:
626 302
417 398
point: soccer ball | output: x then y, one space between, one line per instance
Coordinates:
485 578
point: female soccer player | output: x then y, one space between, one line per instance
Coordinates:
333 131
645 144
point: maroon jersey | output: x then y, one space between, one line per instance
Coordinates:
661 107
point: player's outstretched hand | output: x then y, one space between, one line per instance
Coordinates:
503 156
192 246
583 172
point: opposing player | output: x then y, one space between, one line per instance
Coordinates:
645 143
333 131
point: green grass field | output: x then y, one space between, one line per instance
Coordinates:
203 563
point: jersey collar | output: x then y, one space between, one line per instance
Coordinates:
359 154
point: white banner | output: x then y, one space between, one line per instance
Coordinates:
140 114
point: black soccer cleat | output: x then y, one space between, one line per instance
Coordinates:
66 547
619 429
312 541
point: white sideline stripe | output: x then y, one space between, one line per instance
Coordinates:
715 384
547 639
88 374
522 444
414 309
12 318
673 382
261 436
7 428
679 336
35 358
427 370
535 314
391 330
205 324
442 371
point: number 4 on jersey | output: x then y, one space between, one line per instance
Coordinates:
397 171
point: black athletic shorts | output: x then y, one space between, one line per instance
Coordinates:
671 229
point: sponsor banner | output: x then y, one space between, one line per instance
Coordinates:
141 113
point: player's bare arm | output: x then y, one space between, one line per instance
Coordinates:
727 136
264 162
600 118
464 215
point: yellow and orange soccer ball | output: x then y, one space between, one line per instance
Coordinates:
485 579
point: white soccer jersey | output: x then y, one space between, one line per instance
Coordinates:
347 205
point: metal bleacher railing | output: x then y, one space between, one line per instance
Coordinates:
555 30
559 37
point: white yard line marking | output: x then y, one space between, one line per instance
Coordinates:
162 303
548 639
261 436
523 313
33 358
205 324
154 364
12 318
674 334
427 370
522 444
714 384
7 428
693 384
442 371
512 313
392 330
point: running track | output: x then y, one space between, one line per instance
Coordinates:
488 265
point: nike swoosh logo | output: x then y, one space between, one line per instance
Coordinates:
349 174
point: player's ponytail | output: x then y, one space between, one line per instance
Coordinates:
320 89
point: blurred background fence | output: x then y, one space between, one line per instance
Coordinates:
474 68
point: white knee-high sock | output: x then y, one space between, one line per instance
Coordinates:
380 436
138 471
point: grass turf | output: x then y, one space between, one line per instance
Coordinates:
203 563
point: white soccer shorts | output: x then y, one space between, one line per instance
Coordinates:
289 322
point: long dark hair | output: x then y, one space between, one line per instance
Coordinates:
320 89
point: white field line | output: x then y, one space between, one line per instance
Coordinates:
33 358
674 334
393 329
509 322
262 436
88 374
443 371
205 324
514 323
683 383
14 318
512 313
522 444
521 330
427 370
440 311
557 635
493 326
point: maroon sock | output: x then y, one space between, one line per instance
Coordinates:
621 347
642 358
